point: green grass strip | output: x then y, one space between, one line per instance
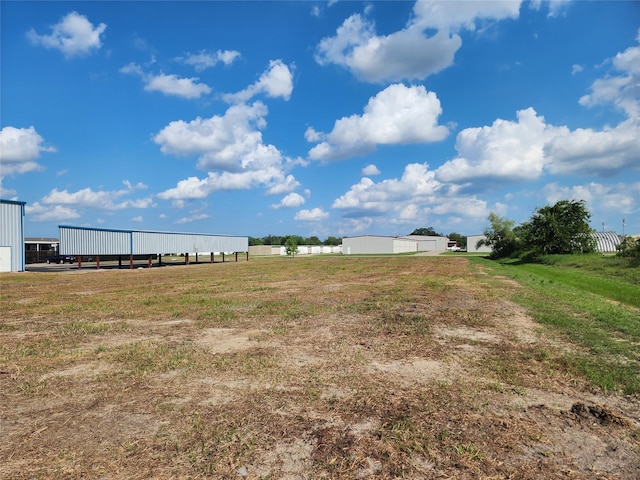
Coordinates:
610 277
576 304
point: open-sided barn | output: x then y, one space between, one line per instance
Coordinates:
94 242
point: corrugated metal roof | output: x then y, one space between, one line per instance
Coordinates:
606 241
40 240
12 202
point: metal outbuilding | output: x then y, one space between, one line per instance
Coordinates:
86 241
12 236
472 241
374 244
428 243
606 242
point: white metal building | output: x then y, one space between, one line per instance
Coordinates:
373 244
606 242
472 240
11 236
100 241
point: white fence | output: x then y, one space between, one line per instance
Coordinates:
263 250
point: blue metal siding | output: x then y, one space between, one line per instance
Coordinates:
92 241
158 242
12 231
95 241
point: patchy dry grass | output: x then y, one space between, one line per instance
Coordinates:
323 367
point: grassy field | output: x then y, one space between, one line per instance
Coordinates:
320 367
594 302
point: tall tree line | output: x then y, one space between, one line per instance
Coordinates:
282 240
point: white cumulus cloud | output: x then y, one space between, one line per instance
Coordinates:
191 187
505 151
621 197
612 149
192 218
7 193
220 142
174 85
408 201
74 35
286 185
47 213
231 144
408 54
168 84
417 184
313 215
19 150
194 187
396 115
370 170
203 60
292 200
102 199
276 81
599 152
463 206
455 16
620 87
312 136
509 151
415 52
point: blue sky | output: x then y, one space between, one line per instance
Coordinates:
318 118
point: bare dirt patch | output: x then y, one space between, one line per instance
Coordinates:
224 340
403 367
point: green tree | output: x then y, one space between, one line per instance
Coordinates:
312 241
299 240
428 232
500 237
559 229
291 246
272 240
255 241
629 247
333 241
